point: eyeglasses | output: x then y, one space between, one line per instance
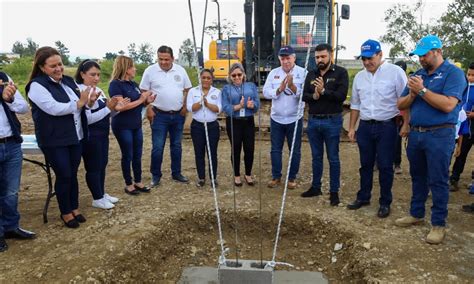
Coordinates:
236 75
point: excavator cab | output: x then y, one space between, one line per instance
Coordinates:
299 18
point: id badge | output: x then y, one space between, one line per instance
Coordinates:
242 112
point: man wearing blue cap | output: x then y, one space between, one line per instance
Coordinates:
284 86
433 96
375 92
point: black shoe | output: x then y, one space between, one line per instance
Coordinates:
334 198
311 192
468 208
181 178
383 212
249 182
201 183
73 223
239 184
3 244
20 234
453 185
357 204
155 182
80 218
133 192
142 189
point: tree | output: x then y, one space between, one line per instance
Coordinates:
456 31
187 51
145 53
403 28
227 28
110 55
78 60
64 51
25 50
121 52
132 51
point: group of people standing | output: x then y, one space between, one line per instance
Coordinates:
72 120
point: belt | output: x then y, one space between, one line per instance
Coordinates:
166 111
323 116
431 128
6 139
373 121
241 117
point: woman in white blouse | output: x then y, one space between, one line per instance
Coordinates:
204 102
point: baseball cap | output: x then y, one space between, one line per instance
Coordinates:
286 50
426 44
369 48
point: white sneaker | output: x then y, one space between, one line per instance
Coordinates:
111 199
102 203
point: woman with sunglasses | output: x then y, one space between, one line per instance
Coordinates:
240 101
204 102
95 151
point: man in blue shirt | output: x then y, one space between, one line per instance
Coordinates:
433 96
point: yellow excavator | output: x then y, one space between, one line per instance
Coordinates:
257 51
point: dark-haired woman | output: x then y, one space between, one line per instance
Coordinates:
95 150
240 101
127 125
204 102
58 109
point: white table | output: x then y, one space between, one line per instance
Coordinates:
30 147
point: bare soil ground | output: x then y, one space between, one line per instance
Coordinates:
152 237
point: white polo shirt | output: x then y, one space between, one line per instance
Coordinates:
213 97
19 105
167 85
285 108
375 95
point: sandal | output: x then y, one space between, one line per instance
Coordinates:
133 192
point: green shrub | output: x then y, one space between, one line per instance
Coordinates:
19 69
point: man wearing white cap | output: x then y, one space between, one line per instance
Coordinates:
433 96
375 92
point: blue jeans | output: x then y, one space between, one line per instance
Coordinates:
65 162
96 155
131 146
198 135
325 131
10 175
162 124
376 141
429 154
277 135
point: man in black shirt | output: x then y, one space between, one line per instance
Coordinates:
325 90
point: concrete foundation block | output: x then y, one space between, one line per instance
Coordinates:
245 271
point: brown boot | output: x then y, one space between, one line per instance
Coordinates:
436 235
408 221
292 184
274 183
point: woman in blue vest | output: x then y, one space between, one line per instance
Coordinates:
58 109
95 151
127 124
204 102
240 101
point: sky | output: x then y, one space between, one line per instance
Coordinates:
90 28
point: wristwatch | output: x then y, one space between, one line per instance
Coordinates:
422 92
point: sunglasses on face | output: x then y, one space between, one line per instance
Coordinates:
236 75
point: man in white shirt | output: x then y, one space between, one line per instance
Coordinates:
284 86
375 91
11 156
166 114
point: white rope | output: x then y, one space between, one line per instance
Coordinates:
222 259
293 143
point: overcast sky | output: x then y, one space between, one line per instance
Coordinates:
90 28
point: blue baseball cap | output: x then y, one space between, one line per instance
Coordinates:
426 44
286 50
369 48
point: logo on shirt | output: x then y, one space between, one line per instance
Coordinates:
214 97
330 80
177 78
439 76
276 77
